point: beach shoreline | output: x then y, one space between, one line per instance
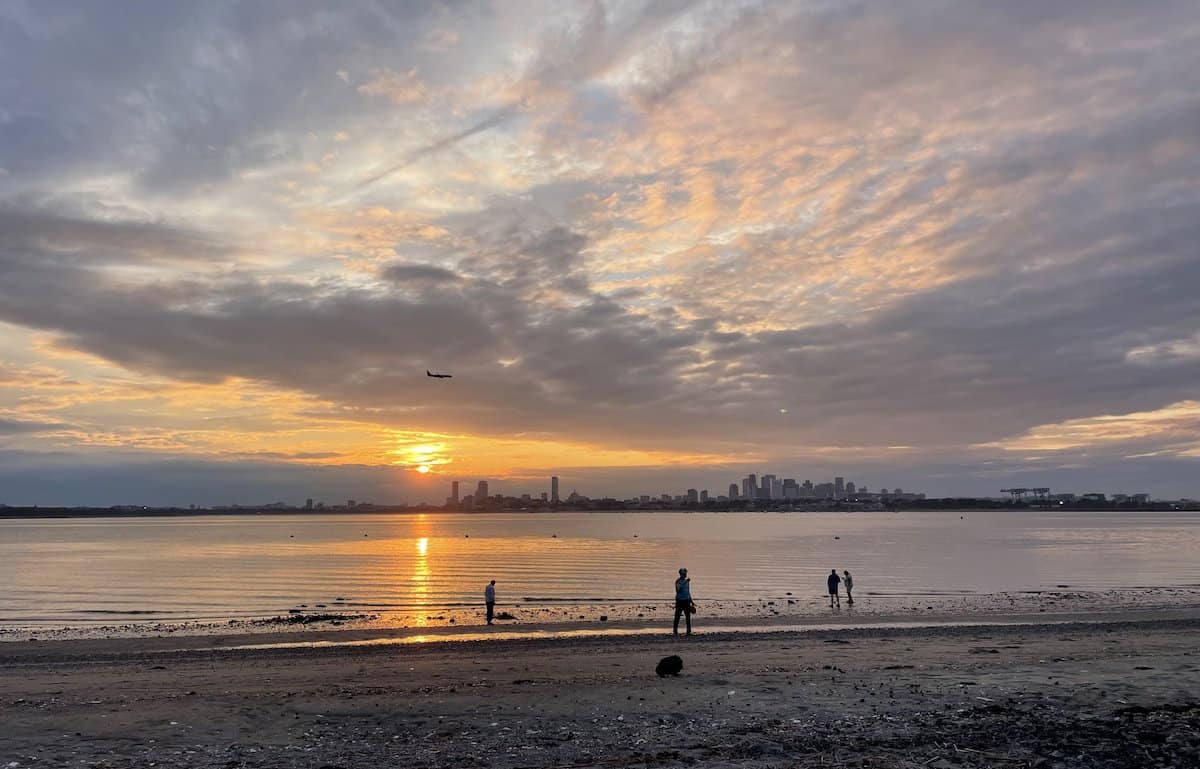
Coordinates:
1100 692
286 638
606 616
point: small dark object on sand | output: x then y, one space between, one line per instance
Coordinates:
604 618
669 666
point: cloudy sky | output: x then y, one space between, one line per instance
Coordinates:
951 246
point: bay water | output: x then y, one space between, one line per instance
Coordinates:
418 566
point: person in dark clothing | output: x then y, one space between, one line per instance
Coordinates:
833 581
683 600
489 600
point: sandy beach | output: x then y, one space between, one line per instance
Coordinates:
1101 690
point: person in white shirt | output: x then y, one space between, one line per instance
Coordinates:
848 583
489 600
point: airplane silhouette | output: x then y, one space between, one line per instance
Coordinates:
437 376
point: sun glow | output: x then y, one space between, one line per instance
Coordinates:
415 450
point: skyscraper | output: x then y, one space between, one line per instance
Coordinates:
454 492
733 491
554 488
693 495
768 483
839 487
481 491
703 495
750 486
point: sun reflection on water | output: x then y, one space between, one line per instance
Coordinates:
420 582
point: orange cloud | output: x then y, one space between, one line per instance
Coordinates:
1174 427
398 87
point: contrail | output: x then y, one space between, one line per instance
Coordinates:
491 121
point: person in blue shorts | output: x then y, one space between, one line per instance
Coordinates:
683 600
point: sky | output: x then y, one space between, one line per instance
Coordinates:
947 246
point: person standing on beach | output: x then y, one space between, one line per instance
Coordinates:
683 600
833 582
848 581
489 600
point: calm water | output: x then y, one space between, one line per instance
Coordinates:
78 571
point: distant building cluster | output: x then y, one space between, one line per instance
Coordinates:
772 487
772 490
769 492
753 492
483 498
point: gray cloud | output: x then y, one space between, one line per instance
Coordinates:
402 272
184 97
75 237
25 426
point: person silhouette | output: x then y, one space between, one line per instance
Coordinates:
833 581
848 581
489 600
683 601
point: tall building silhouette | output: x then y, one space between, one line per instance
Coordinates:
454 492
733 491
839 487
481 491
554 488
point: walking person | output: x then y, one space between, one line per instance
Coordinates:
489 600
683 601
833 581
848 581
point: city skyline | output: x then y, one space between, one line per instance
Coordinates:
833 488
950 247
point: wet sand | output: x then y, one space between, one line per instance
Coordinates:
769 610
1048 691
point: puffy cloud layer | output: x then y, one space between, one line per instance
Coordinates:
716 234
